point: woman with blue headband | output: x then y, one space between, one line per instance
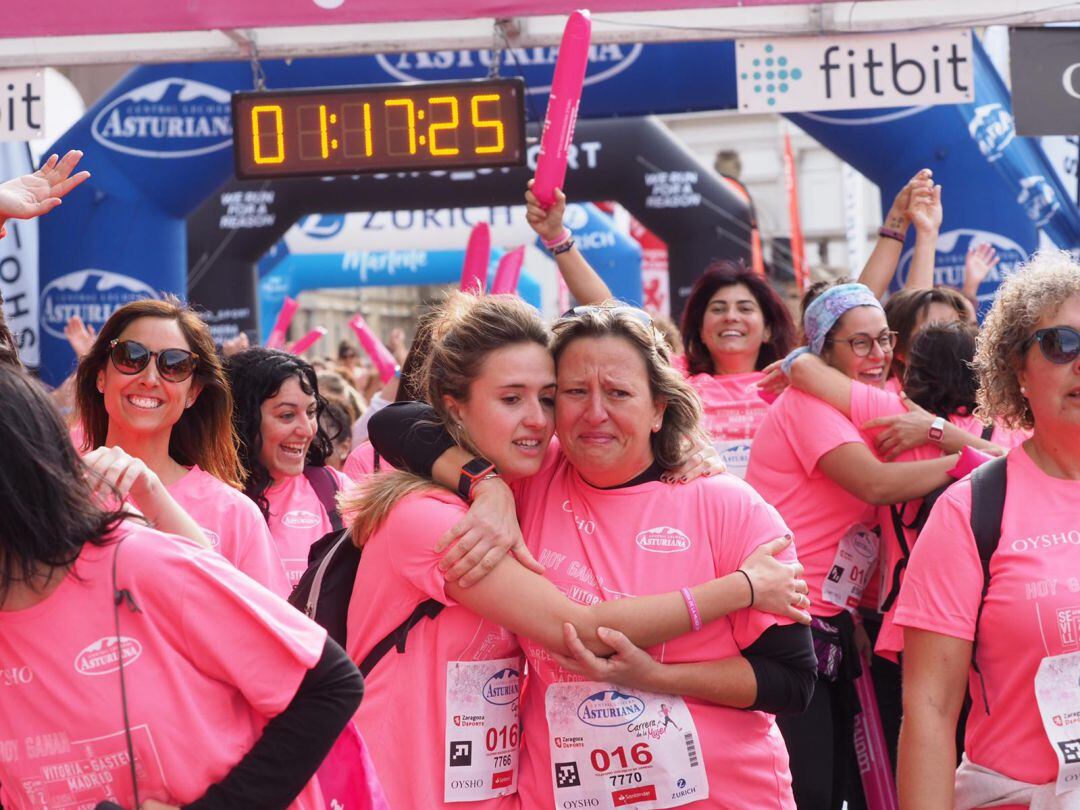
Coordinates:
815 467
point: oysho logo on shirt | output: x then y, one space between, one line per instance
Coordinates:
103 656
300 519
662 540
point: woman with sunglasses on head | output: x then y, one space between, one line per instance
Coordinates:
152 387
734 325
284 448
1006 632
143 670
601 520
812 464
491 380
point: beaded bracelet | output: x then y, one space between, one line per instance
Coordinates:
565 246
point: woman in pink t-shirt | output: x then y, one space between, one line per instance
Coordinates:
814 466
1020 745
284 448
152 385
138 667
604 525
734 325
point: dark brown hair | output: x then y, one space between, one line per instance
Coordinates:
905 308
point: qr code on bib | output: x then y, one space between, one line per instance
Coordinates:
566 775
1070 751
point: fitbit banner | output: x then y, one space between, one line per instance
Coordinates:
1045 68
854 72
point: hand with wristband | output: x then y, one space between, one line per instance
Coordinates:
547 222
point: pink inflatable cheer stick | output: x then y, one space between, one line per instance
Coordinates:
873 757
281 326
562 108
508 272
477 257
308 340
384 362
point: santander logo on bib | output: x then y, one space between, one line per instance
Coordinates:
103 656
662 540
610 708
300 519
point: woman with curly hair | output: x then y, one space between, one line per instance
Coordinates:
734 325
1020 739
284 448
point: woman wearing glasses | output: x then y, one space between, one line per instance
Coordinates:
734 325
814 466
1020 744
691 720
152 388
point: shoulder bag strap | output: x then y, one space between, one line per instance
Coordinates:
988 487
428 609
325 485
121 597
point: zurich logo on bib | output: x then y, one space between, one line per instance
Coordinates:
92 294
610 708
169 118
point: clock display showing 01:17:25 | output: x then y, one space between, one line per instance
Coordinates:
381 128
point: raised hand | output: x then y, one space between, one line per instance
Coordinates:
979 262
39 193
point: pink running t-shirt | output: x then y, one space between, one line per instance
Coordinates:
234 526
404 708
869 403
798 430
209 658
297 519
361 462
1032 609
732 412
647 539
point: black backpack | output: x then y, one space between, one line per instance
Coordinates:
988 486
896 511
325 589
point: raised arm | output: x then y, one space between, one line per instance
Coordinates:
581 279
925 214
881 265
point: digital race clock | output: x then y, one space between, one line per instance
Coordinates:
379 128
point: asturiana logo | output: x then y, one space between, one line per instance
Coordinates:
662 540
103 656
606 60
610 708
169 118
300 519
1038 199
993 130
93 295
737 456
952 249
502 688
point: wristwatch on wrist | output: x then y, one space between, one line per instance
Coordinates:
937 430
477 470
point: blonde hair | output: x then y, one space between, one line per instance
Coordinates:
464 332
682 414
1036 290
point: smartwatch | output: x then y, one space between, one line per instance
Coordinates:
937 430
473 473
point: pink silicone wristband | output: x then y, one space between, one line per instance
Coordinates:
558 240
691 607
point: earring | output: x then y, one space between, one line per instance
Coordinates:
1023 391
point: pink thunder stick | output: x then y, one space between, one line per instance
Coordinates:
508 271
308 340
562 108
477 257
384 362
281 325
870 751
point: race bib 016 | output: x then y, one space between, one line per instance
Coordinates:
856 556
482 729
1057 690
613 748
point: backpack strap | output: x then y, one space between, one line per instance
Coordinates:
377 466
428 609
325 485
988 486
896 511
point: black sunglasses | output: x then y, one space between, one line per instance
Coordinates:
1059 344
131 357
